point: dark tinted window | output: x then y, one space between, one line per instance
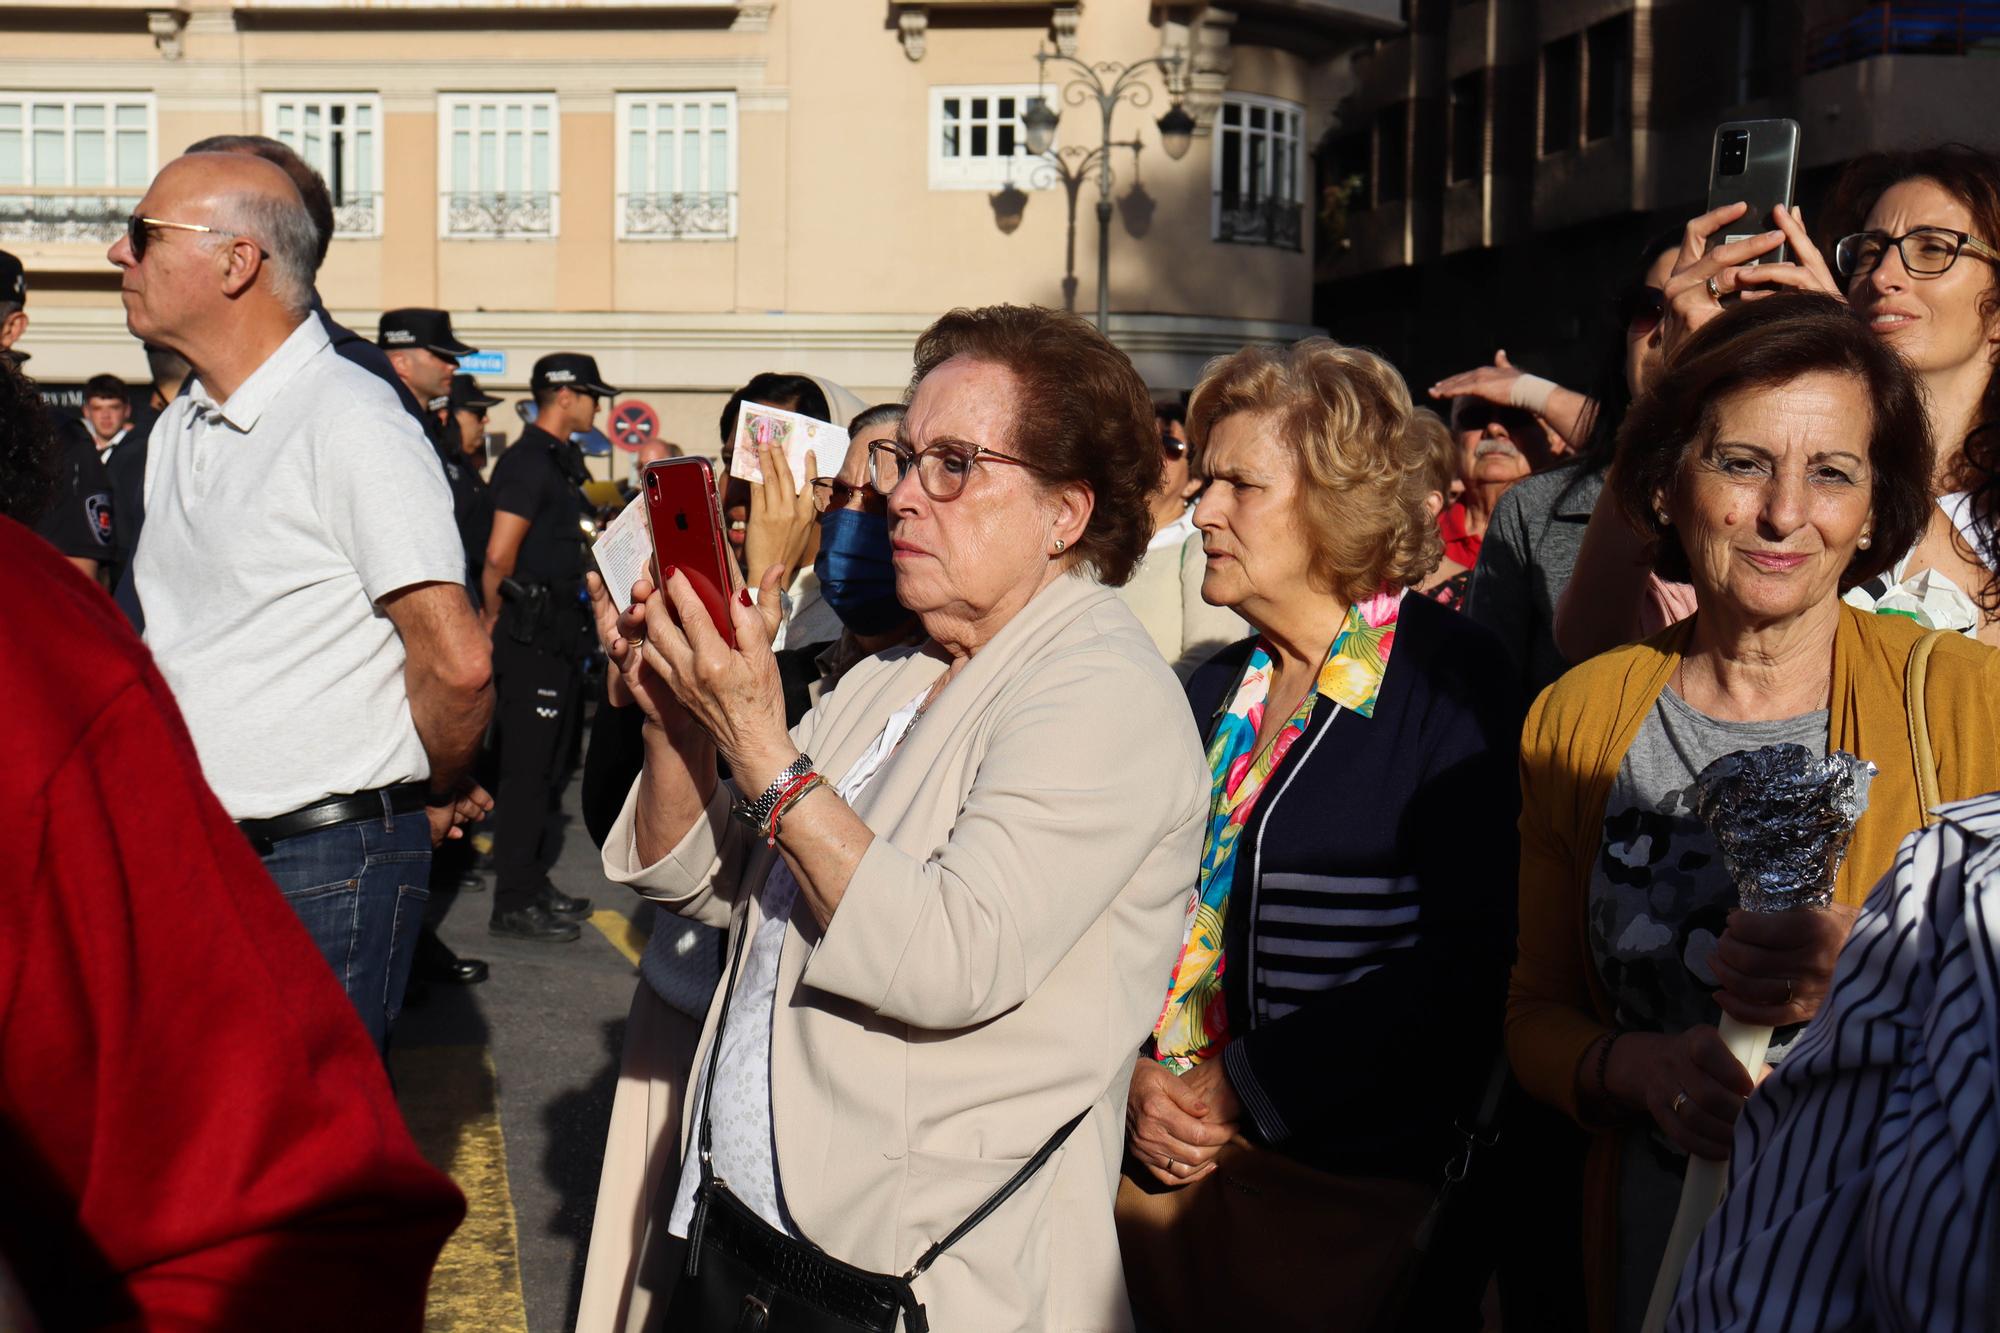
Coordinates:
1561 91
1468 125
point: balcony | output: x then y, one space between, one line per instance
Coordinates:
1902 29
357 216
514 216
676 217
32 216
1254 221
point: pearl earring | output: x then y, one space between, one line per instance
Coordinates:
1059 546
1661 514
1865 542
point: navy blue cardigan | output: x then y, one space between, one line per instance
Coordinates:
1370 926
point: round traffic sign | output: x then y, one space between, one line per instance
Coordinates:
633 423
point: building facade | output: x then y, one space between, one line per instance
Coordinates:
1492 172
693 190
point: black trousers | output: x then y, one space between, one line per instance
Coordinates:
539 698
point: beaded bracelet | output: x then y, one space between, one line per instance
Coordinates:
1604 1067
798 792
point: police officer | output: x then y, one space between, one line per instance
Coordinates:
78 520
424 352
465 426
542 632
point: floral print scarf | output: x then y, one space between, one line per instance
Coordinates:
1194 1024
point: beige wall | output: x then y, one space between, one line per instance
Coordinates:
843 250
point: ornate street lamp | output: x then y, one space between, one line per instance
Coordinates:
1109 83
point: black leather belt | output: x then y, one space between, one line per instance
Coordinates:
405 798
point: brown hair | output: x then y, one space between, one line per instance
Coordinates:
1971 176
1082 418
1363 472
1766 345
1443 459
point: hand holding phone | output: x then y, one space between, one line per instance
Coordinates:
686 514
1756 164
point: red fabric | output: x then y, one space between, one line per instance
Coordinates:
195 1132
1459 545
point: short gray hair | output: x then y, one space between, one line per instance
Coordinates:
285 231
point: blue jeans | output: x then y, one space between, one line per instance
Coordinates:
360 889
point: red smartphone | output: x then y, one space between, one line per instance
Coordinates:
686 514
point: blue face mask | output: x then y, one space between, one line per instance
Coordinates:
857 571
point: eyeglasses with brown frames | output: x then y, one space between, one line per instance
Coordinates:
942 467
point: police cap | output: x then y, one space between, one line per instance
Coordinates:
417 327
13 280
466 395
570 370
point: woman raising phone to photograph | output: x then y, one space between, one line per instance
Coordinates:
1918 260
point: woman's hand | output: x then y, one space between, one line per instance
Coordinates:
1690 303
1492 384
781 515
1172 1130
733 693
618 650
1777 967
1689 1083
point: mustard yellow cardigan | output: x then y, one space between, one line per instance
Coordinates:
1576 737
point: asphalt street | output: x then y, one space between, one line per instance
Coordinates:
507 1086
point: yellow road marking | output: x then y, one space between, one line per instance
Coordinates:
447 1095
625 937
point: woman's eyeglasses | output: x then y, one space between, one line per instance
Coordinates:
1641 308
831 493
1926 251
942 468
139 232
1170 446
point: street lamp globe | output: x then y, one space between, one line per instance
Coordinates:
1176 132
1040 121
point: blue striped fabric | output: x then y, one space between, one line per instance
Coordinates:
1863 1184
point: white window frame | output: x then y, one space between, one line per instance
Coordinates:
70 101
326 101
991 171
1246 101
681 100
449 102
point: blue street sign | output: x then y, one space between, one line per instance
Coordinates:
483 363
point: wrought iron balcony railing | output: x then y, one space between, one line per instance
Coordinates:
1249 220
677 216
357 215
529 214
64 217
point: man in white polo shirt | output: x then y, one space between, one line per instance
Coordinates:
305 593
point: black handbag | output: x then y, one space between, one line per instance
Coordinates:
745 1276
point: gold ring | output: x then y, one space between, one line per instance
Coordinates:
637 643
1679 1102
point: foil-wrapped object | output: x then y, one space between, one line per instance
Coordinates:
1783 817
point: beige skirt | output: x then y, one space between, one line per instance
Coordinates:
628 1278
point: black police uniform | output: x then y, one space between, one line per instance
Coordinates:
79 520
540 644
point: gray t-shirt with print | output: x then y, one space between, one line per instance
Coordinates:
1659 898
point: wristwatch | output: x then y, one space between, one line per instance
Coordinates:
757 813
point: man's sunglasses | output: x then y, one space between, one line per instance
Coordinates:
139 233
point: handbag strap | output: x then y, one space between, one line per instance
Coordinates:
958 1233
998 1197
703 1138
1928 796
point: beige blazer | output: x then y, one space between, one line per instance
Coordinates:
999 956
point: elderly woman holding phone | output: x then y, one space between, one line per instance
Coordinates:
1782 458
966 876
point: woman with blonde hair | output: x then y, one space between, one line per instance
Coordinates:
1337 997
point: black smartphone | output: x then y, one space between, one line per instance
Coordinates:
1756 162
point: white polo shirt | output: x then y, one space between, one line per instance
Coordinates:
275 522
